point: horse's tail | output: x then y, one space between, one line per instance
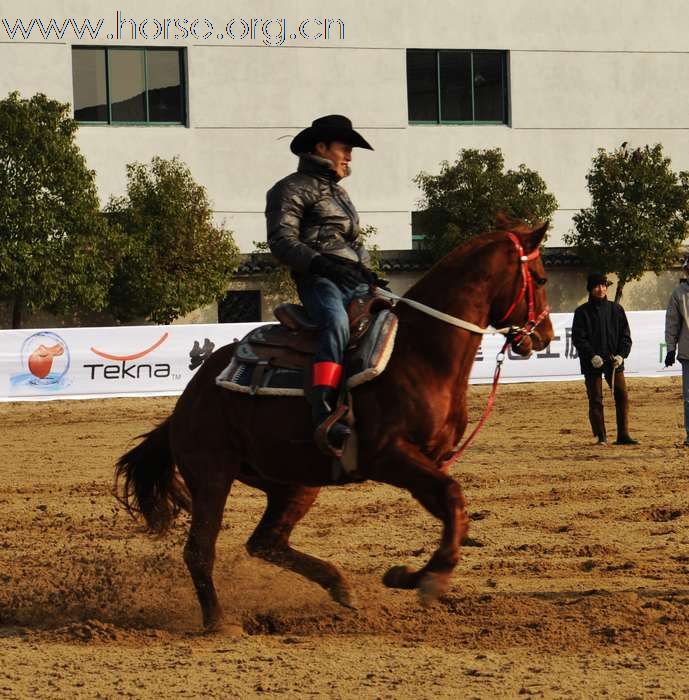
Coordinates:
152 486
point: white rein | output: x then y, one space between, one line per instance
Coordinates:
452 320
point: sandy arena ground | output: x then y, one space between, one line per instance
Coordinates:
575 583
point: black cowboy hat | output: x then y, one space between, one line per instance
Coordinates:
334 127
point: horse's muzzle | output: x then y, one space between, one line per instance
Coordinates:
540 338
522 346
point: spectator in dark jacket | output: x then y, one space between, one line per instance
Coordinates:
677 338
600 333
313 228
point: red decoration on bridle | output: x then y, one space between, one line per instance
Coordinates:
527 289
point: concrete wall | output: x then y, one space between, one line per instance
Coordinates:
582 76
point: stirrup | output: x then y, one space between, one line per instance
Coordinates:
321 435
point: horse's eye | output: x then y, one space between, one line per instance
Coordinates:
540 281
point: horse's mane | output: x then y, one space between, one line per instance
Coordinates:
505 222
460 258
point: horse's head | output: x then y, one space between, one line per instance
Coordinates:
521 299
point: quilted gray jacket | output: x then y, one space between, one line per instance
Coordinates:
676 320
308 213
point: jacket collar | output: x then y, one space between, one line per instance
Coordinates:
597 303
310 164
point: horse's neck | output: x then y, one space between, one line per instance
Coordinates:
461 287
459 290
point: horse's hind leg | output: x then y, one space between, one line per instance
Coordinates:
287 505
209 496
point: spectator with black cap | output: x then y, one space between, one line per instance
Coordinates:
601 335
677 338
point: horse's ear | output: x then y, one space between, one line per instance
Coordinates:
532 240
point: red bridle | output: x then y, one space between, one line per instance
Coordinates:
515 334
527 288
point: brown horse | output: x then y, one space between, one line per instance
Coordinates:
409 419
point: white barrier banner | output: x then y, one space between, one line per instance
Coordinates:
560 360
160 360
118 361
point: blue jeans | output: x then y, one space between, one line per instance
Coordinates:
326 303
685 395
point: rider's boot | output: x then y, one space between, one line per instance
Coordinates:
323 400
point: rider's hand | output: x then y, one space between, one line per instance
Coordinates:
374 280
597 361
617 360
670 358
340 273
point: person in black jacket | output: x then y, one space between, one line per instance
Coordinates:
313 228
600 333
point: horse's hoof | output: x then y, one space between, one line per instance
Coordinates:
341 593
230 629
223 627
431 587
399 577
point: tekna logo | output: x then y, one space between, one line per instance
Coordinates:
128 366
45 361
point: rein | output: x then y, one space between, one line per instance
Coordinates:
512 333
452 320
457 450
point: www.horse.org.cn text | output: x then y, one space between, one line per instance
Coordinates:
274 31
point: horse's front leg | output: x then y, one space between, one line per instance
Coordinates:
404 466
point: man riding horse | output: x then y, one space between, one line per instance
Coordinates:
313 228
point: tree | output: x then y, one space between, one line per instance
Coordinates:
638 215
56 250
464 199
175 258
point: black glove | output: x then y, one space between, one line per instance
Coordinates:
339 272
373 279
670 358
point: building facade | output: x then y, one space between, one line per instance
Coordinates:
547 81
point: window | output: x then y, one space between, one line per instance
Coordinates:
418 235
128 86
457 87
240 307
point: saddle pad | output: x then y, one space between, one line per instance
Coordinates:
365 363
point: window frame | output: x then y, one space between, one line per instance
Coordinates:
181 52
504 75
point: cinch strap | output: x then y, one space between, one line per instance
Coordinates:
327 374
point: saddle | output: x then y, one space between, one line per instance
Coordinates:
276 359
